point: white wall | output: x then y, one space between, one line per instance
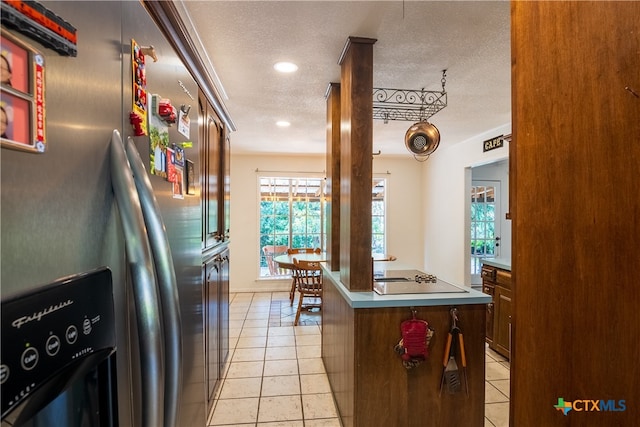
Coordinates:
405 224
446 184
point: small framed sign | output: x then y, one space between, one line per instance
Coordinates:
493 143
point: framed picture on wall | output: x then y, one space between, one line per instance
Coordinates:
22 104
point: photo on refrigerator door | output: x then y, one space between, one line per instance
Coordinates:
184 124
22 103
178 183
14 64
190 177
15 114
159 141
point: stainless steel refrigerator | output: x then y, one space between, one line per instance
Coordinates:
60 216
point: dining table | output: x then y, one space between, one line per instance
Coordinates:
286 260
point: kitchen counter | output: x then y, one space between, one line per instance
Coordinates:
373 300
502 263
369 382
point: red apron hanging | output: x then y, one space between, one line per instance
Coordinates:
413 348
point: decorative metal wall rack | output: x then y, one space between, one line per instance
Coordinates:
408 105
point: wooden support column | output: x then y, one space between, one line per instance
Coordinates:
356 151
332 195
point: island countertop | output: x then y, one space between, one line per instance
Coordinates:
373 300
502 263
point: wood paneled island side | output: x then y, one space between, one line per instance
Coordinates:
370 384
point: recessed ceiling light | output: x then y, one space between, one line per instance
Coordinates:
283 124
285 67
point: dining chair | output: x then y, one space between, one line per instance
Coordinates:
308 279
293 251
271 251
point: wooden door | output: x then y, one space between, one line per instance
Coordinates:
576 133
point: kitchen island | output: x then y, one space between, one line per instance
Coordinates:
371 386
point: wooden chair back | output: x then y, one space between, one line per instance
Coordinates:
308 276
308 279
291 251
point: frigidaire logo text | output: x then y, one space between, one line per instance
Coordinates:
20 321
589 405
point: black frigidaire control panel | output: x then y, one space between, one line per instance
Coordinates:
52 328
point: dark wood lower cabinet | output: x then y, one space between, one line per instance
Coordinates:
216 318
502 321
497 283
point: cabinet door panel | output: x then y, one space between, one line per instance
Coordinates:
226 190
223 299
212 177
212 338
489 289
216 293
212 134
502 319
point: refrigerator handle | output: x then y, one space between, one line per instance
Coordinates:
167 285
145 293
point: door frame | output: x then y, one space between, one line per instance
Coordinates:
505 226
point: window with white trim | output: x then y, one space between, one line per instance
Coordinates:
378 216
292 214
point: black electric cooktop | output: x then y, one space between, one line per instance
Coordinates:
411 282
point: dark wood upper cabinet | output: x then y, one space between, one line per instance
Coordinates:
226 187
215 176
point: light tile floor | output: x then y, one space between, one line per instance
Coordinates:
275 376
496 386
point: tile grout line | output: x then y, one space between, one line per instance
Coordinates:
264 361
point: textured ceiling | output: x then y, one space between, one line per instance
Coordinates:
416 40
